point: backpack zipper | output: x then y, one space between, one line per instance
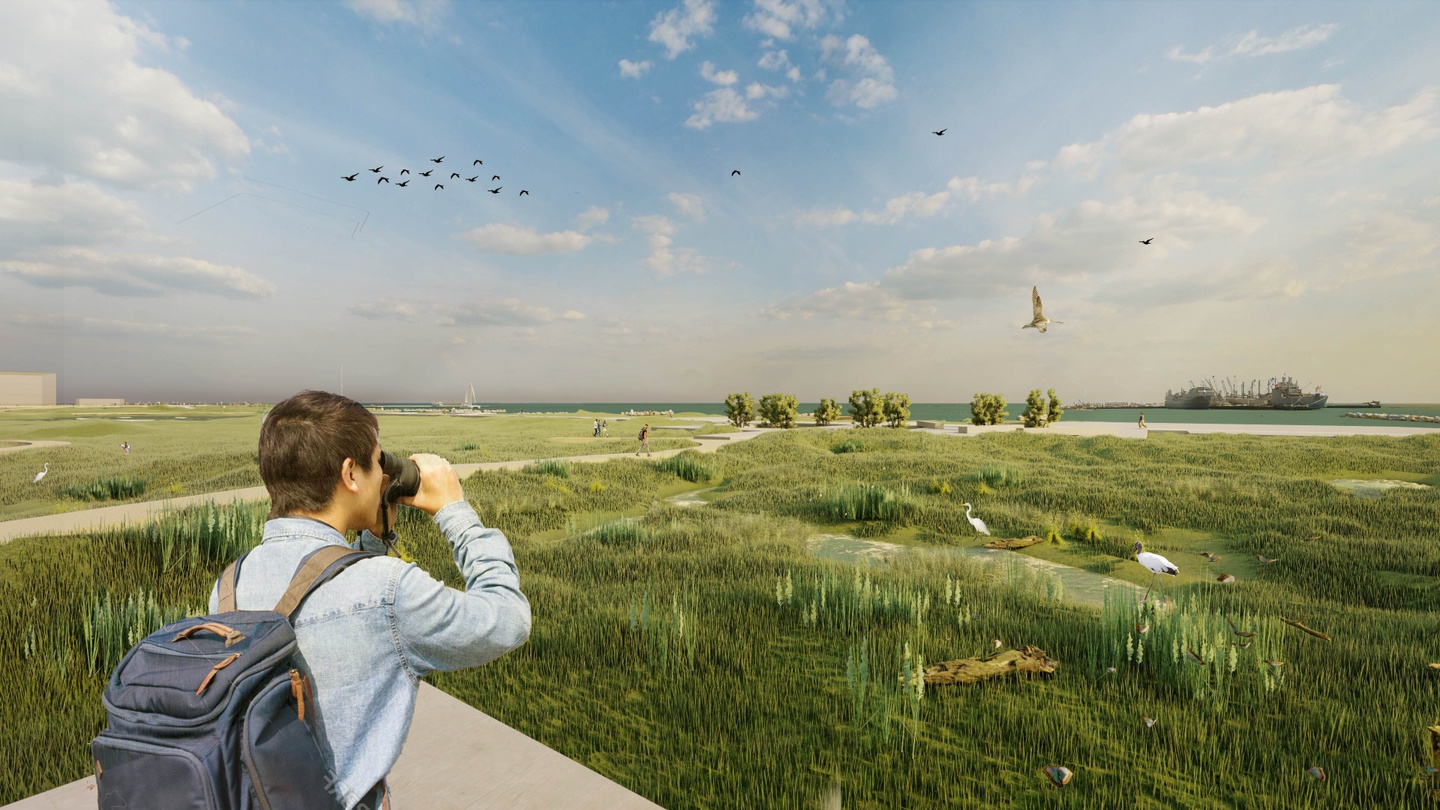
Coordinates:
229 659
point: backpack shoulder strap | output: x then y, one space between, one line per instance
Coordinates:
228 578
315 569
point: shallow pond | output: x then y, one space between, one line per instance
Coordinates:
1375 487
1080 586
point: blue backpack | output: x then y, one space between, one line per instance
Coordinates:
216 712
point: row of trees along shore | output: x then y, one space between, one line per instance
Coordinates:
871 408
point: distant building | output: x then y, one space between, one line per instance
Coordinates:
90 402
27 388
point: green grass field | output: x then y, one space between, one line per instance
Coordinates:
188 451
702 658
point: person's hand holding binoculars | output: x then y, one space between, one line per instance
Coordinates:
425 481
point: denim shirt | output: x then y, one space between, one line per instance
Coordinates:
373 631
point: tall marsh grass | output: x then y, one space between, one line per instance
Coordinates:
112 488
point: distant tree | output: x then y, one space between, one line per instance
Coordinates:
987 409
1055 411
740 408
779 410
896 409
827 413
1034 415
866 407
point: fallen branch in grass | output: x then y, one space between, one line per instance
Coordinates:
974 670
1300 625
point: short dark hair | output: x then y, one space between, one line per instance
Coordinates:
303 443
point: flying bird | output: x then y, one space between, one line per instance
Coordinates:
377 169
1155 564
1040 321
496 177
1194 656
495 190
1225 579
997 643
1059 774
523 192
1147 241
352 177
402 185
126 447
41 474
382 180
437 186
1211 557
1148 721
472 179
454 175
437 160
1316 772
1142 628
941 132
404 171
735 173
1244 646
1275 664
976 522
1109 671
1266 560
426 174
478 162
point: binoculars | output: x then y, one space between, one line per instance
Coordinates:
404 476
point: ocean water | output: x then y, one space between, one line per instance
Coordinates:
955 412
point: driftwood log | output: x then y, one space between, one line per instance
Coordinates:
998 665
1015 542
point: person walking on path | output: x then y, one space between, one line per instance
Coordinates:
382 624
1142 421
605 428
644 440
596 432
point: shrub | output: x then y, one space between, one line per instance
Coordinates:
1034 415
896 409
987 409
740 409
866 407
467 446
848 446
779 410
827 413
938 487
1055 411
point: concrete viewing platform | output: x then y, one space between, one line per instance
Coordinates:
455 758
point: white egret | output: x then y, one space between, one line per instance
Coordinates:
1040 322
976 522
41 474
1156 564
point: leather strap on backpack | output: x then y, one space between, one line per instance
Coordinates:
228 578
315 569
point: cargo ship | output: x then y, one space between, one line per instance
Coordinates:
1279 394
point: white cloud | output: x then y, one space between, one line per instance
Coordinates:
779 19
634 70
502 312
664 258
135 274
780 60
79 103
1252 44
916 203
1286 128
673 29
826 217
386 309
592 216
871 82
859 301
722 105
756 91
516 240
34 215
415 12
722 77
690 204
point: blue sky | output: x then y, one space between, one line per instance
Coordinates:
173 222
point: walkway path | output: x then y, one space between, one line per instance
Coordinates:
142 512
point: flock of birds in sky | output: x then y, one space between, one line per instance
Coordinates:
426 174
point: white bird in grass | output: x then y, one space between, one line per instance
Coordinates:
1039 321
41 474
1156 564
976 522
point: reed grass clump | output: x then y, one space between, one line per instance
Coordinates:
558 467
848 446
853 501
111 488
690 465
995 476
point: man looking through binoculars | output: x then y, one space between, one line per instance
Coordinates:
371 633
